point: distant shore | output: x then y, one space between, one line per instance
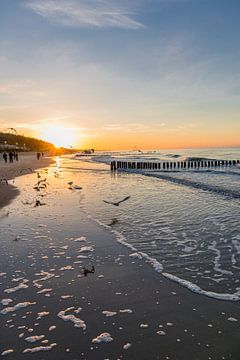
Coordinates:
9 171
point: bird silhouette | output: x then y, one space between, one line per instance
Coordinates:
116 203
13 130
38 203
74 186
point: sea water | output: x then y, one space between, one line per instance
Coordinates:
188 220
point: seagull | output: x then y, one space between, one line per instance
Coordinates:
13 130
38 203
76 187
117 202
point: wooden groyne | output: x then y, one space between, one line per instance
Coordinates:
169 165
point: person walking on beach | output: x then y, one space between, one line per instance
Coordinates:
5 157
38 155
16 156
10 157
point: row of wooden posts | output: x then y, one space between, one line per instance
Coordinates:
166 165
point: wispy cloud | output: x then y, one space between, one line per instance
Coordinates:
85 13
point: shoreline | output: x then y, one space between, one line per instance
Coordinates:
9 171
147 315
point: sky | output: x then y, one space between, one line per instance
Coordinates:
117 74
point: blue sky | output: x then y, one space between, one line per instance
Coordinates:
149 70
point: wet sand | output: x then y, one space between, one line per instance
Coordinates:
10 171
146 315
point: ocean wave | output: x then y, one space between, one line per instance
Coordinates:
196 158
197 185
158 267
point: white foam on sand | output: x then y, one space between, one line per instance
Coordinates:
20 286
104 337
51 328
7 352
135 255
2 274
43 291
5 302
144 326
40 348
109 313
42 314
78 323
127 346
66 296
68 267
34 338
126 311
161 332
159 268
16 307
79 239
232 319
46 276
86 249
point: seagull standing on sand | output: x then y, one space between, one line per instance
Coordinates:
117 203
74 187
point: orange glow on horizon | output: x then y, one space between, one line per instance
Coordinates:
150 141
58 135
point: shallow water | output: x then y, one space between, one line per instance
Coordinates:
187 220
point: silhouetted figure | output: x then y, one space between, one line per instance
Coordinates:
10 157
16 156
38 155
5 157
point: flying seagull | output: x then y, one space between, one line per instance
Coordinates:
117 202
13 130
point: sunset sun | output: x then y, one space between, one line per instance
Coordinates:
59 135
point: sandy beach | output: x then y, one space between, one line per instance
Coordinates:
11 170
121 309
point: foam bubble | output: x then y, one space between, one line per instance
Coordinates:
109 313
16 307
7 352
78 323
104 337
40 348
34 338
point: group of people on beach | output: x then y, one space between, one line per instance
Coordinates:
39 155
12 155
